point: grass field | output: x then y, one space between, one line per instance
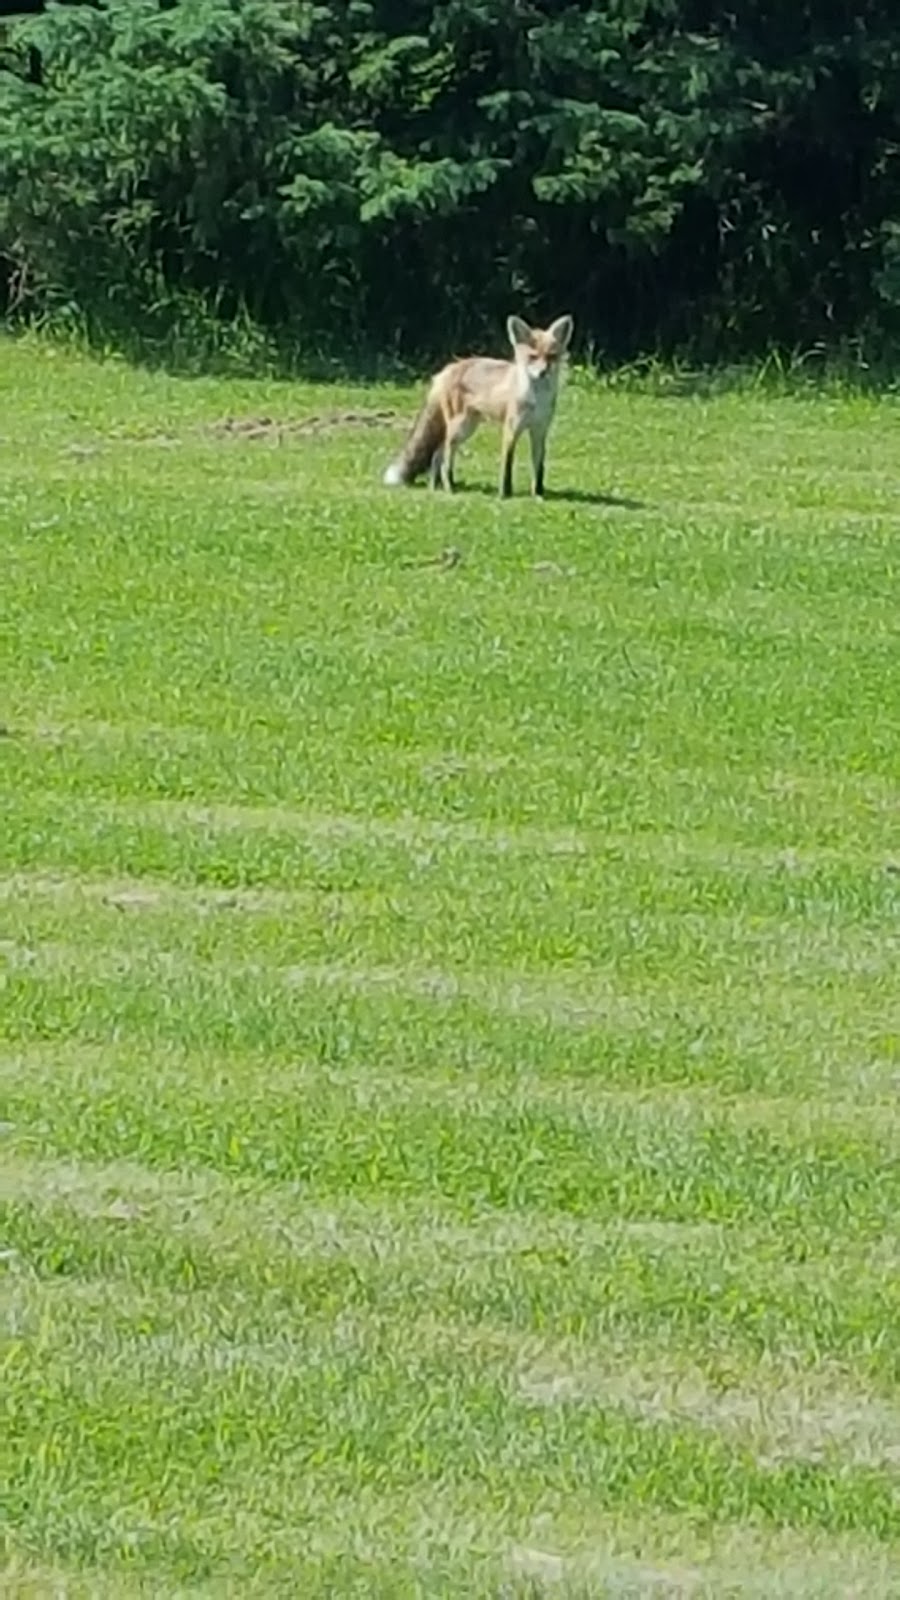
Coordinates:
450 1021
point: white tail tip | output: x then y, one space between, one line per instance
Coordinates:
393 476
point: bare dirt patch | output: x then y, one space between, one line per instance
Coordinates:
276 430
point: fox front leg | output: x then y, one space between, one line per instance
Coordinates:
538 438
510 436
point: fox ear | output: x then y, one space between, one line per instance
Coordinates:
560 331
519 331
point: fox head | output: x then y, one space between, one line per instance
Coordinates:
540 350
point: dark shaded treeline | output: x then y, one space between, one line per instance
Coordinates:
680 174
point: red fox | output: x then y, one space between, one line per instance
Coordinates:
520 393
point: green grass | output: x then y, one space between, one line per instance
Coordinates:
449 1028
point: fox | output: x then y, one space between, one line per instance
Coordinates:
521 394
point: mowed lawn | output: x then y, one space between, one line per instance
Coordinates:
450 1011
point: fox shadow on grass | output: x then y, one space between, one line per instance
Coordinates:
590 497
575 497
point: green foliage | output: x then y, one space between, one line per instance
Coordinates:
670 172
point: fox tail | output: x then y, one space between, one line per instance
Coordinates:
425 437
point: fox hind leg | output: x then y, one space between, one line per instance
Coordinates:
459 430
